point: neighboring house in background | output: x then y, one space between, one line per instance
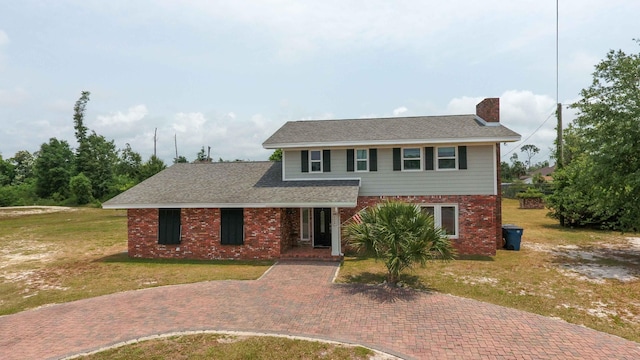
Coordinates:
330 170
545 172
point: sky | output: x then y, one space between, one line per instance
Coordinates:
227 74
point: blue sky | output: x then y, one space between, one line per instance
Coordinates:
226 74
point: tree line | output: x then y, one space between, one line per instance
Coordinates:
58 174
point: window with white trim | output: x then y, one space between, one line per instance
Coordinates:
412 159
445 216
315 160
362 160
305 224
447 158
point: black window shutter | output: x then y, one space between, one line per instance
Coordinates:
428 158
373 159
462 157
169 226
397 160
350 155
231 226
326 160
304 160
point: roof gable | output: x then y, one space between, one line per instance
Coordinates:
389 131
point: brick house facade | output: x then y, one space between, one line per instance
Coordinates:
449 165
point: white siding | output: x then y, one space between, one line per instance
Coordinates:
477 179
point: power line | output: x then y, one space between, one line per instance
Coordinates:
528 137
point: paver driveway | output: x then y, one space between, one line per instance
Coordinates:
298 298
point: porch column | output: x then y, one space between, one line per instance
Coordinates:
336 245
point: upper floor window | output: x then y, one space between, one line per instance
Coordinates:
362 160
445 216
315 160
447 157
411 159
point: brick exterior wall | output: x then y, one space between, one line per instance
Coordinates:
477 221
269 232
200 237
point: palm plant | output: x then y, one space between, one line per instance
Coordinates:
400 234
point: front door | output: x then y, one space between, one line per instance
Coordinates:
322 227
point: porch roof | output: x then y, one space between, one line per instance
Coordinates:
233 185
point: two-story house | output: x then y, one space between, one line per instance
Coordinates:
330 170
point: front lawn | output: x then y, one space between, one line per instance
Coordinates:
78 253
583 276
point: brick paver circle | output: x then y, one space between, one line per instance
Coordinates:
299 298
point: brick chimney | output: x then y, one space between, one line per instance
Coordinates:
489 110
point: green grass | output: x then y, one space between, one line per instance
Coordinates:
215 346
536 278
72 255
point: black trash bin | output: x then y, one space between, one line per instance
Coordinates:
512 236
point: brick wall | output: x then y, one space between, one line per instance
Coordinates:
477 221
201 235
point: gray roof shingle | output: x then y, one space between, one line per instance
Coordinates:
233 184
389 131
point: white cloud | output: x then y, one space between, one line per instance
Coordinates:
133 115
399 111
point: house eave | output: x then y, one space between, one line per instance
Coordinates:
339 204
478 140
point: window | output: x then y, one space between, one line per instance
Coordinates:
169 228
447 158
232 226
315 160
444 217
362 160
411 159
305 223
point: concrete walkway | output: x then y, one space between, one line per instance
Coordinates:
299 299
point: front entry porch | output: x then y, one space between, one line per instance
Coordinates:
312 233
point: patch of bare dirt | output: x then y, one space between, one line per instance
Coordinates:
12 211
596 264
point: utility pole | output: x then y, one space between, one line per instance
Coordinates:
175 142
155 141
560 159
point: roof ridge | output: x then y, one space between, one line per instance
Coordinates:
383 118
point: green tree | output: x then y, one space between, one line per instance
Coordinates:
7 172
202 156
100 159
23 162
530 150
80 187
180 159
95 156
600 182
151 167
78 117
129 163
518 168
399 234
276 155
53 169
